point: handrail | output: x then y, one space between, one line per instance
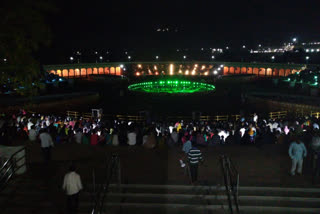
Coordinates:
113 163
232 187
10 167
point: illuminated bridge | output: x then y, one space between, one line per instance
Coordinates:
173 68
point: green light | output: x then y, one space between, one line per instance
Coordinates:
171 86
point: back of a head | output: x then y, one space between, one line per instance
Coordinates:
72 168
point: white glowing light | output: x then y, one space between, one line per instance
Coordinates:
4 60
121 66
212 57
294 39
307 50
71 58
184 57
157 57
171 69
215 72
138 73
307 57
129 57
196 65
243 46
221 66
187 72
155 67
259 45
272 57
193 72
180 71
101 57
227 48
219 69
139 66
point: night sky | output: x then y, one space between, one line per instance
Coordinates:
88 24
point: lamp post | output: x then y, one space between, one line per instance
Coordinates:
100 58
129 58
157 57
272 58
71 59
307 59
212 57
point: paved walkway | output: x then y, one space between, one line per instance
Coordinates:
267 166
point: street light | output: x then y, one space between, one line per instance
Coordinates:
294 39
243 46
184 57
100 58
272 57
71 59
157 57
212 57
129 57
307 59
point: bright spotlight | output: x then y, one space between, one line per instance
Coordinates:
71 58
129 57
184 57
121 66
215 72
221 66
157 57
212 57
294 39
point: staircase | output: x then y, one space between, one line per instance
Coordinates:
31 196
211 199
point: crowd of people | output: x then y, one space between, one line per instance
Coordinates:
53 130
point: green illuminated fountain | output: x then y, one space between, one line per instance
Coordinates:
171 86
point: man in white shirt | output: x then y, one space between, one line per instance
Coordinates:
46 144
72 186
32 134
132 138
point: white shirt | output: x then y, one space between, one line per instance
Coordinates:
29 125
78 137
175 137
72 183
115 140
132 138
45 139
32 135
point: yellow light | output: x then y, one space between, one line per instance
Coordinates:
157 73
180 71
187 72
139 66
196 65
155 67
138 73
193 72
203 67
171 69
206 73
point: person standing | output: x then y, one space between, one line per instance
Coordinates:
46 144
297 151
72 186
194 157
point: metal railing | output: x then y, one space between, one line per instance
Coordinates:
112 166
10 167
231 181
